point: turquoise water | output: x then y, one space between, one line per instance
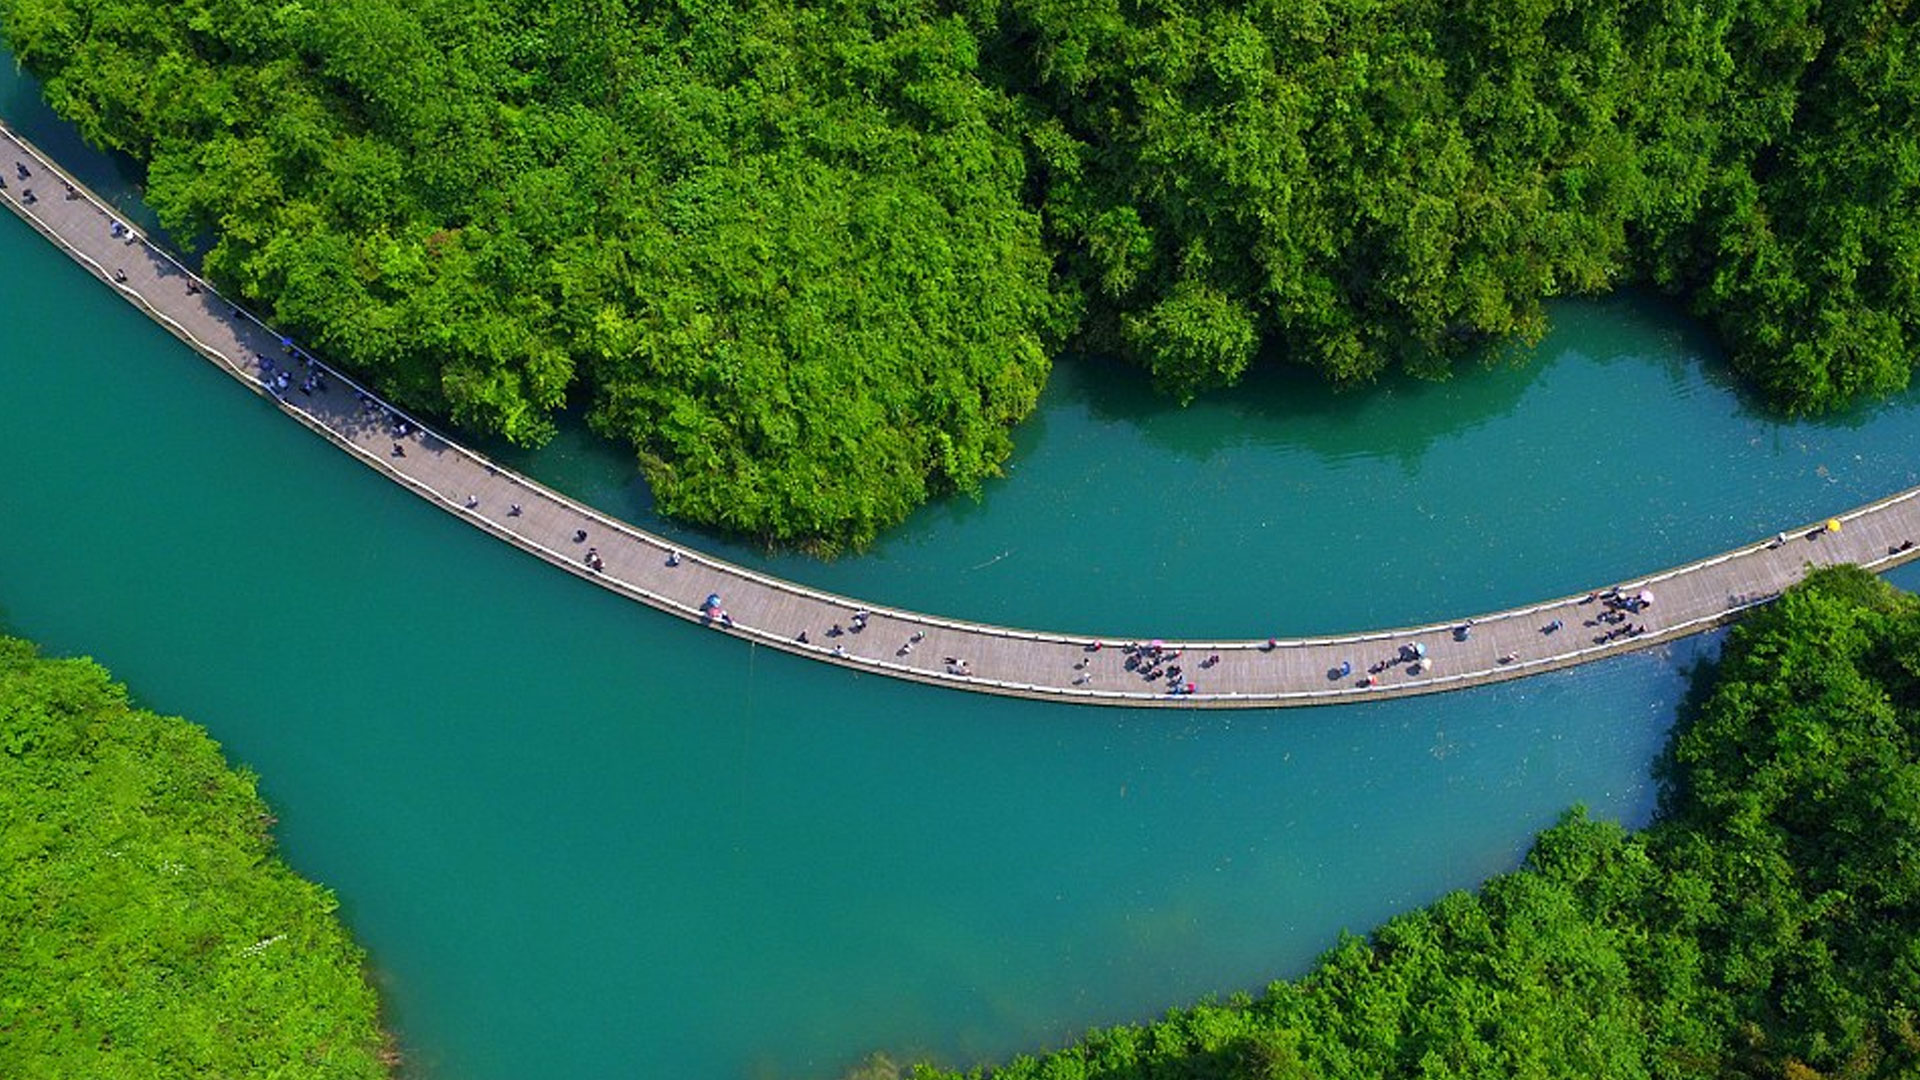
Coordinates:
1286 508
582 839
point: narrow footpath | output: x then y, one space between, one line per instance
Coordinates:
725 598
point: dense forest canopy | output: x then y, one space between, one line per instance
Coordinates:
1767 926
1373 184
146 927
812 257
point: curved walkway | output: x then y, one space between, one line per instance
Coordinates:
905 644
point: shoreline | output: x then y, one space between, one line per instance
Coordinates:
1040 665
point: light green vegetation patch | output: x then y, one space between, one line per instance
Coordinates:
146 926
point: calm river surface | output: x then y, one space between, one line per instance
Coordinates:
583 839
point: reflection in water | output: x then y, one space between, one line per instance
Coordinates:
578 835
1288 507
1291 409
1400 417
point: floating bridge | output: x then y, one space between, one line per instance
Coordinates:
1477 648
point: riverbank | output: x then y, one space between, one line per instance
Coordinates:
1148 670
525 789
149 928
574 836
1761 927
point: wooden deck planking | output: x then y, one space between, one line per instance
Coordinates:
1044 665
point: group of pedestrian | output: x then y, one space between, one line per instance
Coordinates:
906 647
1618 610
372 410
119 232
1626 630
1154 662
312 380
26 193
1405 652
855 624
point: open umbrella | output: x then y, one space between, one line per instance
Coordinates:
1419 649
1833 524
1646 596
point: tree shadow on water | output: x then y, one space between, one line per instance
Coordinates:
1670 777
1284 406
1658 327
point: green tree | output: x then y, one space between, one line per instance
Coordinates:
146 927
1764 926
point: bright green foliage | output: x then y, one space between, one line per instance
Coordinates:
146 927
1767 926
1797 795
1374 184
802 254
1807 254
782 245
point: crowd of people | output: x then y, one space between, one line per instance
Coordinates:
280 378
1616 616
1154 662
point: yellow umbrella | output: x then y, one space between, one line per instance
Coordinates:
1833 524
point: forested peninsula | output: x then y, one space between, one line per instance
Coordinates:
813 259
146 927
1767 925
